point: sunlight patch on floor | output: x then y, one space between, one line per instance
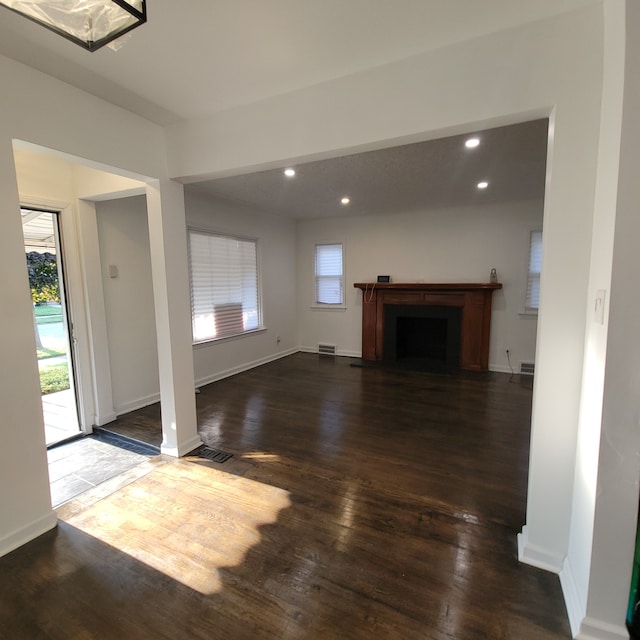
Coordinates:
261 456
185 520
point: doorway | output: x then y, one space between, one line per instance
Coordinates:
51 323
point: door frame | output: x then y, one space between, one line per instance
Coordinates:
80 351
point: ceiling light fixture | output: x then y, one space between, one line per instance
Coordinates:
289 172
89 23
471 143
345 200
483 185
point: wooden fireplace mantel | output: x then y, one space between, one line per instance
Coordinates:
473 298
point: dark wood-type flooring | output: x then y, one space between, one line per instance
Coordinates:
360 503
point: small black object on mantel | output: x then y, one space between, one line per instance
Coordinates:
493 276
384 278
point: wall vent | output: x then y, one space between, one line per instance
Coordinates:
327 349
527 368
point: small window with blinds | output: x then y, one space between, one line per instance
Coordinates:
329 274
532 301
224 286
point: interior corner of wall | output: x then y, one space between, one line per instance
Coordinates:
537 556
576 609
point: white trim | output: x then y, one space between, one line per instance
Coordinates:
134 405
537 556
27 533
596 630
33 202
236 336
104 418
182 448
576 609
328 307
201 382
319 305
501 368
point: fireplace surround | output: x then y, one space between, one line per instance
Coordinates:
472 299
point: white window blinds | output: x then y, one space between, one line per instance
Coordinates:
224 286
532 301
329 276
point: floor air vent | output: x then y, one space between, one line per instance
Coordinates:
327 349
214 454
527 368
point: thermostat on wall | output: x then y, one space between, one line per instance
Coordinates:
384 278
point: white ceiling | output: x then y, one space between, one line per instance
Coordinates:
38 231
197 57
427 175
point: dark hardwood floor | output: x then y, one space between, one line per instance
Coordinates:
359 503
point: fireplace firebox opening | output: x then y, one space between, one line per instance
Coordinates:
425 337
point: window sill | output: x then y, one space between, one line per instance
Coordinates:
328 307
528 314
237 336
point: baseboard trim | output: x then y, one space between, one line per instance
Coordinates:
227 373
182 448
101 419
536 556
576 609
28 533
597 630
498 368
139 403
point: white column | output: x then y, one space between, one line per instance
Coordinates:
616 503
97 353
169 265
25 503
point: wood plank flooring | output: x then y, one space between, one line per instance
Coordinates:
359 503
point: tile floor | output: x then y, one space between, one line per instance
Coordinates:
60 416
83 464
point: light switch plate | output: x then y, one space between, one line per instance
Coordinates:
598 310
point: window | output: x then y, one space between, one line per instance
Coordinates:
329 274
532 301
224 286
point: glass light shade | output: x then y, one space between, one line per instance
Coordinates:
89 23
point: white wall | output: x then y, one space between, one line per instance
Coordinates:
124 242
548 68
616 492
445 245
276 248
121 139
48 180
123 234
577 564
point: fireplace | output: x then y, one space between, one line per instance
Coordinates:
456 315
422 336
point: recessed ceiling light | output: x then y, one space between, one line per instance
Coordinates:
483 185
345 200
471 143
289 172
